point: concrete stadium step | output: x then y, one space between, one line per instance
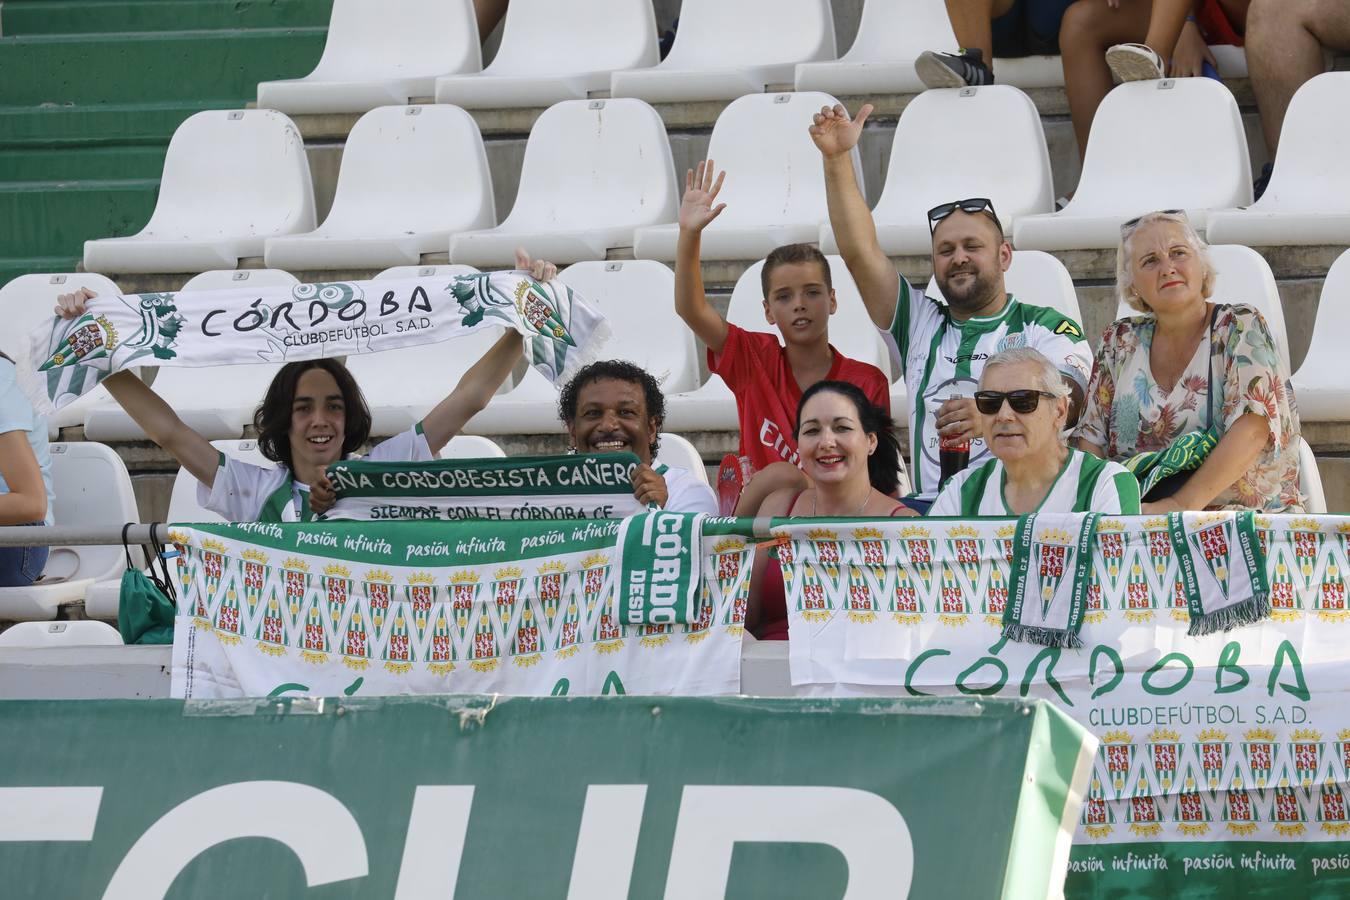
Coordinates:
171 65
99 124
29 17
12 268
93 91
66 164
54 219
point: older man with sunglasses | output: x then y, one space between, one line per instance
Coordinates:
942 346
1023 404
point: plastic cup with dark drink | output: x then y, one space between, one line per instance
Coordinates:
953 457
954 453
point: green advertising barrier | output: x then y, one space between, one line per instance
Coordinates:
596 798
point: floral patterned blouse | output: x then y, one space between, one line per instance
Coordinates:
1128 412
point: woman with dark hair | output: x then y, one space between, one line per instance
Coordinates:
313 414
25 478
849 452
614 406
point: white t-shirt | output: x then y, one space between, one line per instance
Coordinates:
941 356
1085 484
243 492
686 492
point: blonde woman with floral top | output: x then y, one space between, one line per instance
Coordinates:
1189 365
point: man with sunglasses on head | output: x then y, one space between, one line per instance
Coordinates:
942 346
1023 404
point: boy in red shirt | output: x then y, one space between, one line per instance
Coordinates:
766 377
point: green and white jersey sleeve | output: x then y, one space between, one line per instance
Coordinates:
244 492
1085 484
942 357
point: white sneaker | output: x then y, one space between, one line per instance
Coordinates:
1135 62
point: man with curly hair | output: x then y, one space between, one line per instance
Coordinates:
614 406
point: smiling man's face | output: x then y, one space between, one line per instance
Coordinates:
612 417
318 420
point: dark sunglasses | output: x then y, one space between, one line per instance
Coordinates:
971 205
1023 401
1125 228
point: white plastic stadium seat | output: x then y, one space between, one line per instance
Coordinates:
1310 479
637 298
411 177
27 302
1308 198
775 186
471 446
1241 275
1013 172
215 401
1029 71
1038 278
381 53
593 171
553 51
1320 384
93 489
713 406
891 35
80 633
232 179
401 386
677 451
725 50
1198 162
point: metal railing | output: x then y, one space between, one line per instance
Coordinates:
83 535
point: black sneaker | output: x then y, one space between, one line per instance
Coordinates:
948 70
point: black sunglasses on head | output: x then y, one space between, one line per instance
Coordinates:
970 205
1022 401
1136 220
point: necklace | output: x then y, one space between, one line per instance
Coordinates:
815 494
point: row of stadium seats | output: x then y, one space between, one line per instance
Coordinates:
636 297
94 489
378 54
598 175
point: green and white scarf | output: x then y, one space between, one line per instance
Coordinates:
1052 559
570 486
281 324
1185 454
1222 569
659 568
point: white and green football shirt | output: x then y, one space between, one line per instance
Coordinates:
243 492
942 357
1085 484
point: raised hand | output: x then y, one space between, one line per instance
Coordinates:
540 270
700 192
69 306
833 132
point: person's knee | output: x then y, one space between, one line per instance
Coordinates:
1081 28
1267 19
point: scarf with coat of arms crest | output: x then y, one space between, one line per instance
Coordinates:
287 323
1222 573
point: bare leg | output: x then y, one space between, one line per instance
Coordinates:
970 22
1089 29
1164 26
488 13
1284 49
773 477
